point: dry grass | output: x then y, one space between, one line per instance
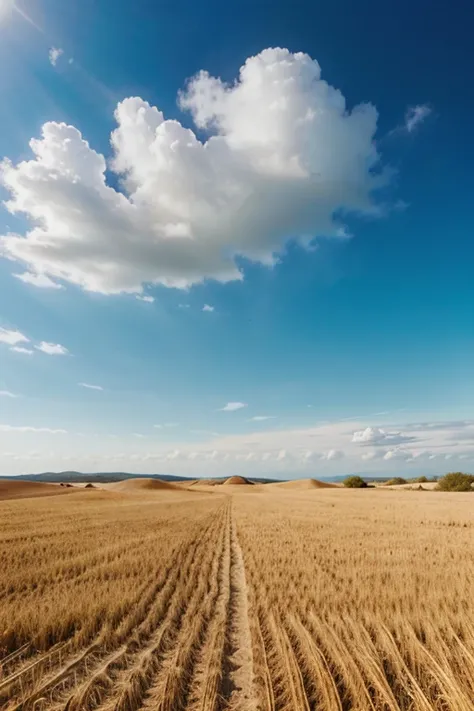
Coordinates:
160 598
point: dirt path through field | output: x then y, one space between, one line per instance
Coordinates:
238 667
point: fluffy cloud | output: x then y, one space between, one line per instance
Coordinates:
378 436
285 159
206 307
52 348
54 54
232 406
40 280
415 115
88 386
12 338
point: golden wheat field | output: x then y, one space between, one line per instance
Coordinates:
147 597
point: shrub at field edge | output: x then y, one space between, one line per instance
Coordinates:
456 481
355 482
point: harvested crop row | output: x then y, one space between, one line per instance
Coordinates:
43 672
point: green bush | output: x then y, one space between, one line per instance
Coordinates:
420 480
456 481
355 482
396 480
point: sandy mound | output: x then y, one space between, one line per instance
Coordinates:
304 484
237 481
11 489
143 484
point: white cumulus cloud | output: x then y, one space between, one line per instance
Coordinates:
12 338
232 406
378 436
54 54
206 307
285 159
52 348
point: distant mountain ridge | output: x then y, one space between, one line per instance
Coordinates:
73 477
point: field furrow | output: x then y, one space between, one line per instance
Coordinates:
116 676
171 687
87 670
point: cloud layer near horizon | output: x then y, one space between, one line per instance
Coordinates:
312 451
285 158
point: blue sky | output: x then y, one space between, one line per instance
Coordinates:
249 230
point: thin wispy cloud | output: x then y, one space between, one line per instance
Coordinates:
88 386
333 454
146 299
52 348
415 115
27 428
232 407
412 120
54 54
20 349
39 280
7 393
262 418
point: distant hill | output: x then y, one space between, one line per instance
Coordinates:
305 484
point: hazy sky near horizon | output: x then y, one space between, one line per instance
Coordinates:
235 239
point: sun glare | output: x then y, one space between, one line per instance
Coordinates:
6 8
